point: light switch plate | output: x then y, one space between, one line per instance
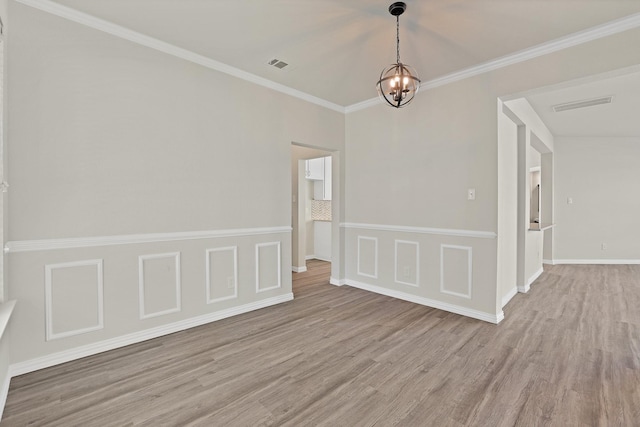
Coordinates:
471 194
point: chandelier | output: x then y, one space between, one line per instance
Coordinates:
398 82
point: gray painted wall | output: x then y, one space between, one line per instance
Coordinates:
601 176
109 138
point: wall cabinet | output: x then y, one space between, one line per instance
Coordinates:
314 169
319 170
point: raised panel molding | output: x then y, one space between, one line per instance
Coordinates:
469 262
142 288
374 274
278 279
209 275
49 298
417 263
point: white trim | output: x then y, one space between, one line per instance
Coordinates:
298 269
85 242
308 257
452 308
6 309
524 289
375 261
337 282
535 276
321 258
395 265
548 261
469 251
48 286
234 250
421 230
596 261
4 391
27 366
279 284
141 287
600 31
512 293
173 50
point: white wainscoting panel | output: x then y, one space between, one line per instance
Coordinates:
268 270
407 262
73 298
456 270
159 284
222 274
368 256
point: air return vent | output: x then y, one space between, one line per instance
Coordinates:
582 104
278 63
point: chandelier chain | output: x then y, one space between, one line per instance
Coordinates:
397 39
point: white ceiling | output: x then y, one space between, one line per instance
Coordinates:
336 49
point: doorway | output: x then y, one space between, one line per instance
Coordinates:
313 222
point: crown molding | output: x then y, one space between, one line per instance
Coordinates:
170 49
608 29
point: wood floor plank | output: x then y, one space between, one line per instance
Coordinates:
567 353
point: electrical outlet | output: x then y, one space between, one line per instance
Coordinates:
231 283
569 200
603 247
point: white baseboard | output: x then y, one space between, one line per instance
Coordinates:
512 293
136 337
337 282
452 308
308 257
596 261
535 276
301 269
524 289
548 261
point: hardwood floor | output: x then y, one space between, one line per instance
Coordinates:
567 354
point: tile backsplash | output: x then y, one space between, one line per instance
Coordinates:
321 210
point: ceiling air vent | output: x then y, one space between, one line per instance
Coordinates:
582 104
277 63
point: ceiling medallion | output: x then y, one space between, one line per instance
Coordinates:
398 82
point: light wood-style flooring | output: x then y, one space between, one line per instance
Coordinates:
567 354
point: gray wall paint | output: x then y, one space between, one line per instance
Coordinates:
111 138
601 176
107 138
413 167
105 129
